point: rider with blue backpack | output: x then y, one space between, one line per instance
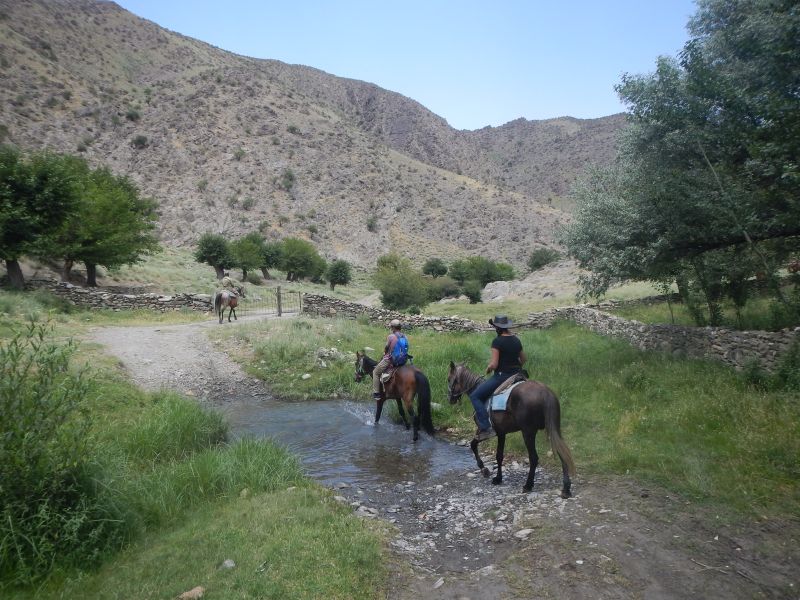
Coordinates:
395 354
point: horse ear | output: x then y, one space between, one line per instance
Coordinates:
452 366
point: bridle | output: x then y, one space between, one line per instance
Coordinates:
360 371
454 393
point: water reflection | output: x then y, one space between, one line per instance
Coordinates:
338 442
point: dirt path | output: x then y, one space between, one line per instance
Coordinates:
460 537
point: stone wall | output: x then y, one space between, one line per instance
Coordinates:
325 306
97 298
732 347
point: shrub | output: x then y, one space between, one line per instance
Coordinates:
133 115
202 185
287 180
401 287
248 203
472 290
51 513
542 257
442 287
139 142
372 224
238 154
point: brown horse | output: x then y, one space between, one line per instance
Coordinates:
225 299
406 382
531 406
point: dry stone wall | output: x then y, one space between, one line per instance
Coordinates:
732 347
103 299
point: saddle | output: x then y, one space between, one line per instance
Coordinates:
498 400
387 375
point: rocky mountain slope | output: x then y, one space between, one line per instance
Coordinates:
232 144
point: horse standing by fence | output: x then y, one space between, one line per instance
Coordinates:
531 406
406 382
227 299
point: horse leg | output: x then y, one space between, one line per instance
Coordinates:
233 310
529 435
230 310
474 447
378 410
501 444
402 413
409 402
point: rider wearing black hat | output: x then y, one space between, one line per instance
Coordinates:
506 360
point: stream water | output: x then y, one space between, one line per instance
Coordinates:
338 441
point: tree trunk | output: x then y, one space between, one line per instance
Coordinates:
91 275
332 285
15 277
265 273
220 271
66 270
244 275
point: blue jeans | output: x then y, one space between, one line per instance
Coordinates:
481 393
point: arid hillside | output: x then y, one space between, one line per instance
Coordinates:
232 144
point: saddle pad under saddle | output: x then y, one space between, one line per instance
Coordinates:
498 401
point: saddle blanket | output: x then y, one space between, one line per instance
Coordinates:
498 401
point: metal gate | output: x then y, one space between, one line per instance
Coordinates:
270 302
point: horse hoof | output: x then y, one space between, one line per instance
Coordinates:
486 472
497 480
565 494
527 489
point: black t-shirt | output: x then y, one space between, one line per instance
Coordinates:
509 347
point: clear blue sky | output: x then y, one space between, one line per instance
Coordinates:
473 62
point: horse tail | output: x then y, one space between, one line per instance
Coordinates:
217 300
552 423
424 401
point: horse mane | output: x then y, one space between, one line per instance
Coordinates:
369 364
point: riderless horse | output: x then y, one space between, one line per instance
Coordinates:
227 299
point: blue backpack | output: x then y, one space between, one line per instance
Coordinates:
400 350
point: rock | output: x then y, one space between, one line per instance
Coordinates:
193 594
305 376
523 534
439 583
245 493
227 564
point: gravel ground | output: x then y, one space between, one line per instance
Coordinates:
461 537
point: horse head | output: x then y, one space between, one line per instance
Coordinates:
460 380
240 291
359 367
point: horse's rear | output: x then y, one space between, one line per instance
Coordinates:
533 406
407 382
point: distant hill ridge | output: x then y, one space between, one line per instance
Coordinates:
233 144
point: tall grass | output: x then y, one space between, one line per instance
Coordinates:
693 426
90 466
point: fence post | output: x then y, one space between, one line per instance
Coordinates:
278 294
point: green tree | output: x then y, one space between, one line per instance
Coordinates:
112 225
214 249
459 270
247 253
707 179
299 259
271 254
37 194
434 267
338 273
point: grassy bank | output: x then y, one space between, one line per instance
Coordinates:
694 427
162 499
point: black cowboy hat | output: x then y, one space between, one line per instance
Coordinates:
501 322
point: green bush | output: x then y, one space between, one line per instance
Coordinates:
542 257
139 142
51 507
442 287
472 290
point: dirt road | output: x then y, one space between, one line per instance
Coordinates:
460 537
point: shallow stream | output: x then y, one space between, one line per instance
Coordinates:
338 442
